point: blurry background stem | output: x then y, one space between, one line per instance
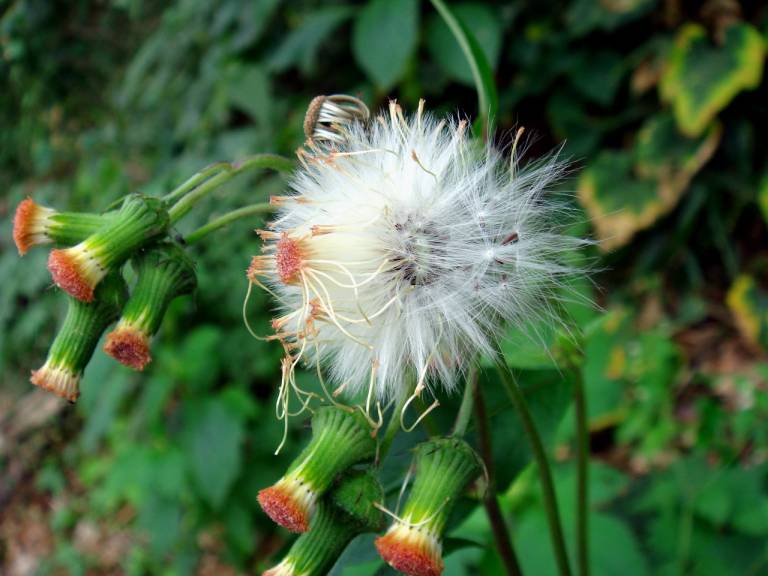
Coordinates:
537 447
490 501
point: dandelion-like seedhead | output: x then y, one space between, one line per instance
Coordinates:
405 248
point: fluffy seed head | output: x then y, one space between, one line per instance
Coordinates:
404 248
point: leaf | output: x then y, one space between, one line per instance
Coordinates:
762 197
384 39
749 305
301 45
701 77
625 193
481 71
484 23
584 16
214 435
597 75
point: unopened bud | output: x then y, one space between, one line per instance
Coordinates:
79 269
413 544
35 225
339 440
327 115
349 510
164 272
77 339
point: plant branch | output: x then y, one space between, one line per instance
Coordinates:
225 219
491 502
467 403
545 474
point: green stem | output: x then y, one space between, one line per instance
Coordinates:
393 427
467 403
224 174
490 501
545 474
225 219
582 475
196 179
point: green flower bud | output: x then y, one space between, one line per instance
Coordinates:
349 510
79 269
77 339
164 272
34 225
413 544
340 438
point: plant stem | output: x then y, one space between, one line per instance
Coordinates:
223 220
545 474
582 474
467 403
223 174
196 179
393 427
491 502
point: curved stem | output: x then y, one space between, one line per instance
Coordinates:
582 475
545 474
223 173
491 502
196 179
393 427
467 403
223 220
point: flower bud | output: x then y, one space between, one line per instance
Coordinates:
413 544
34 225
79 269
339 439
348 510
164 272
77 339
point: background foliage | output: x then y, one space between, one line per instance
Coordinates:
662 105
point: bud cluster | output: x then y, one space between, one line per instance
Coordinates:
90 251
328 499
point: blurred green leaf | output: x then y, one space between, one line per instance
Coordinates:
748 302
585 16
384 38
701 77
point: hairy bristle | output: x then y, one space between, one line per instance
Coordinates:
68 275
129 346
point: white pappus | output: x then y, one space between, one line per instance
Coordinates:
402 251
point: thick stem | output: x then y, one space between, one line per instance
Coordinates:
225 219
222 175
467 403
545 474
499 528
582 474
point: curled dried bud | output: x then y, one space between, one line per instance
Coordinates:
35 225
77 339
327 115
339 440
348 510
164 272
413 544
79 269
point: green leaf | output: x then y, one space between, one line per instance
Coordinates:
487 98
485 24
213 439
300 47
384 39
597 75
702 77
762 197
748 302
625 193
584 16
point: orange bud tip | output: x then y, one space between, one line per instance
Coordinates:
28 229
129 346
412 551
60 381
68 275
282 506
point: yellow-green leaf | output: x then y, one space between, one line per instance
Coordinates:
749 305
762 197
701 77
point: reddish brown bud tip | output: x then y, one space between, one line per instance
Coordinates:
410 551
25 233
60 381
68 275
129 346
284 509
